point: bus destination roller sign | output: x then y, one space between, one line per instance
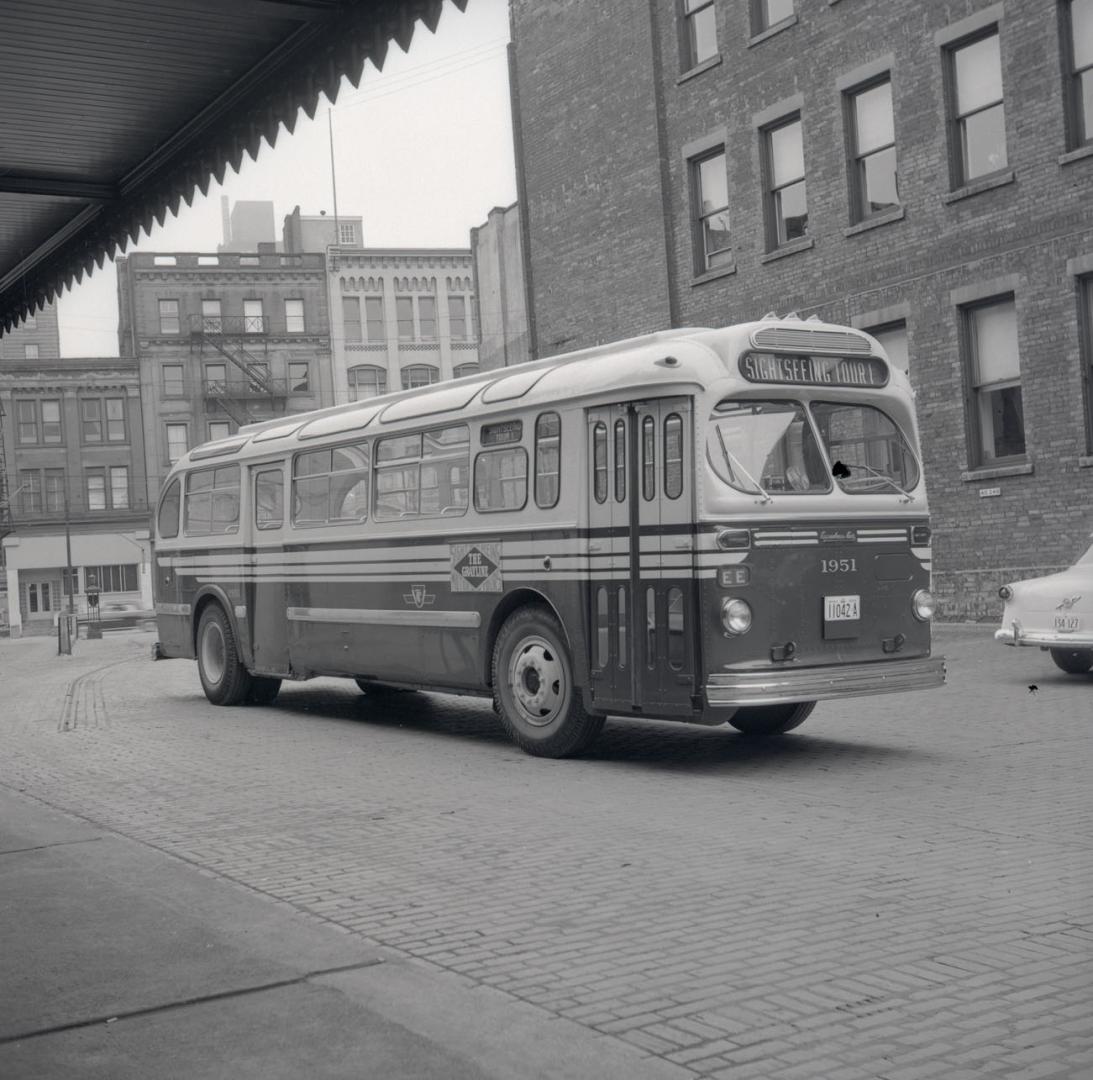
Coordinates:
866 373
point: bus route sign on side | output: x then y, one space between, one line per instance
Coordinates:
476 567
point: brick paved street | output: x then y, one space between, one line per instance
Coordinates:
900 890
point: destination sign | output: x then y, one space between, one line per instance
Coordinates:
814 370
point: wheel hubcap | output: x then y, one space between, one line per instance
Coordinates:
538 681
213 652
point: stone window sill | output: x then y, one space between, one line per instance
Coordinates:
876 222
1085 462
995 472
788 249
1076 155
777 28
690 73
713 275
977 187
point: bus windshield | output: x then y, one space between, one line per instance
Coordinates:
766 447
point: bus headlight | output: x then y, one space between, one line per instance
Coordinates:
735 615
922 605
1006 593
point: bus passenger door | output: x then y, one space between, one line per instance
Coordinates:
266 591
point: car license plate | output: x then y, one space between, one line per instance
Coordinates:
841 608
1067 623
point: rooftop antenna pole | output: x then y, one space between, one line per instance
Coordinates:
333 178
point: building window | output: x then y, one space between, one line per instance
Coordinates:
711 202
55 491
978 120
178 441
351 317
873 177
419 375
219 429
254 322
96 489
366 381
294 316
893 339
787 205
39 422
373 312
1078 36
347 233
426 311
30 352
994 377
115 420
299 381
457 317
174 384
91 419
26 413
700 32
119 487
30 491
211 322
460 370
768 13
404 311
51 422
169 322
1085 334
119 577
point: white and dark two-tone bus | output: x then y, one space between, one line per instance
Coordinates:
700 525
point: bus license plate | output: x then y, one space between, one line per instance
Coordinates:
841 608
1067 623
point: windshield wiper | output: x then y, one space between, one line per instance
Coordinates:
841 469
730 458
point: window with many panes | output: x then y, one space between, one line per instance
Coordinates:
39 422
699 32
30 352
119 487
299 377
219 429
373 312
294 316
169 321
30 491
404 313
994 380
347 232
710 197
787 204
113 578
95 488
351 317
115 420
460 370
426 474
768 13
211 318
174 384
91 420
426 311
419 375
977 116
872 132
366 381
1078 38
254 322
330 486
178 441
211 504
216 375
54 490
457 317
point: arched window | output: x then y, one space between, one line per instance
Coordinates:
464 369
419 375
366 381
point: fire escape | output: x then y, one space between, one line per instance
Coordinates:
245 391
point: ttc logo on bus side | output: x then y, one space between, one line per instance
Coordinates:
476 567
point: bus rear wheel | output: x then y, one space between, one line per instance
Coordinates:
534 694
759 721
263 689
223 677
1073 661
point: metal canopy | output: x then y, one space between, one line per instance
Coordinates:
116 111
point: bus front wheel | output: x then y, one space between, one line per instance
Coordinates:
1073 661
759 721
534 695
223 677
263 689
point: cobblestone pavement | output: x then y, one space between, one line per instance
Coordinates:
899 890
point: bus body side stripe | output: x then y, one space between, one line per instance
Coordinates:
464 620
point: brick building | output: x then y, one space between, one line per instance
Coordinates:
922 171
37 337
222 340
73 445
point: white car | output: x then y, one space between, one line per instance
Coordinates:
1055 613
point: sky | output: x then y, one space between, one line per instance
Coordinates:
422 151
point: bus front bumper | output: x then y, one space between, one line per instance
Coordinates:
778 687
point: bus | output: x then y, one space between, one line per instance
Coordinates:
702 525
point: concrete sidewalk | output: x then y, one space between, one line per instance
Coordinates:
120 963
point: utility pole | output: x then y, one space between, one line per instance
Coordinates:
333 178
65 639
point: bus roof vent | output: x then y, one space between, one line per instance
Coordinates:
437 399
339 422
513 386
278 432
217 449
803 339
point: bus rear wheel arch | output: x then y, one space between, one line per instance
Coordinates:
223 677
1073 661
761 721
533 686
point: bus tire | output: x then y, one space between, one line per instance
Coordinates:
223 677
759 721
1073 661
534 693
263 690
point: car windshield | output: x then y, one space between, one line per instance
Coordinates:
766 446
868 445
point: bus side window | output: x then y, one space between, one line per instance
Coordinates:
673 456
620 461
501 479
269 498
548 444
648 459
168 511
211 505
599 462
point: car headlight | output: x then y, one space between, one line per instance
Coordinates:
922 605
735 615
